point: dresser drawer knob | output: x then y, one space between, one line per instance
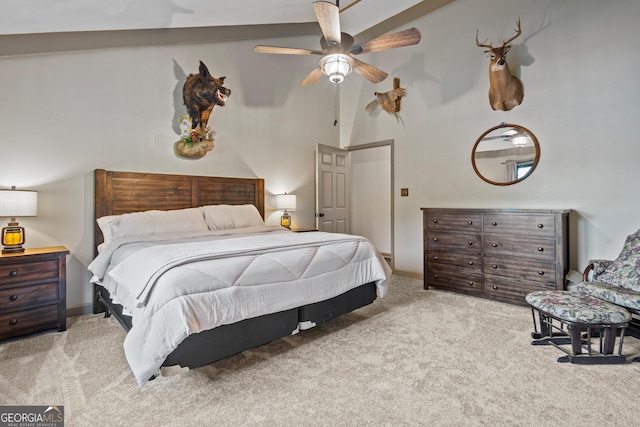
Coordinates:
495 288
469 243
435 221
435 276
495 245
435 239
540 225
541 273
494 266
471 283
470 222
470 262
13 298
13 322
494 224
13 273
435 258
540 249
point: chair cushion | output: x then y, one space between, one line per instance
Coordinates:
624 271
577 307
611 293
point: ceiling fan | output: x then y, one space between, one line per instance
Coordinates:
338 49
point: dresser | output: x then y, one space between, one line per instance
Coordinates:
500 254
33 291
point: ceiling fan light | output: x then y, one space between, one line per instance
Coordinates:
336 66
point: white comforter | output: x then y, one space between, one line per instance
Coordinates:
189 283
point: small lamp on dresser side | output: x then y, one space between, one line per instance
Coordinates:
16 203
286 202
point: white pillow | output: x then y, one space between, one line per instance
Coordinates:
224 217
152 222
108 225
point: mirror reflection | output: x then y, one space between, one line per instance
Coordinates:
505 154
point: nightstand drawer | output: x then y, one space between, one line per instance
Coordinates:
21 272
26 296
28 321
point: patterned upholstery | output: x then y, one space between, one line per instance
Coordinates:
617 281
624 271
575 307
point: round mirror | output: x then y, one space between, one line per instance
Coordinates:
505 154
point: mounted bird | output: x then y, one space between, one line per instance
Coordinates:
338 49
388 101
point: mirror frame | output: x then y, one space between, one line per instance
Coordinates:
505 125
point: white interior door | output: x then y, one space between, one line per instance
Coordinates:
333 182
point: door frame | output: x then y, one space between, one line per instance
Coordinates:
390 143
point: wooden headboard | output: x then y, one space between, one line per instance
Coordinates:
117 193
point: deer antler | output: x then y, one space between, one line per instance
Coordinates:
518 32
488 46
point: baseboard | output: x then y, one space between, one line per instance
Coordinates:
79 310
409 274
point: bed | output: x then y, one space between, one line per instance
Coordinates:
189 269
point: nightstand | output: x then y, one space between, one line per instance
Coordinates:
33 291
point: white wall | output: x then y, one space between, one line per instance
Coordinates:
579 63
370 195
66 114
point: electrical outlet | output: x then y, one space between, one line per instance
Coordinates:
404 192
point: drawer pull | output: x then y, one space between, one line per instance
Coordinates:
470 283
540 249
435 276
13 298
13 273
435 258
469 243
540 225
494 266
494 224
470 222
495 245
13 322
470 262
435 221
541 273
435 239
495 288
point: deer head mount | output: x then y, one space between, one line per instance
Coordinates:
505 89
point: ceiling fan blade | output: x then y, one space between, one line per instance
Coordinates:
329 20
312 77
389 41
369 72
285 50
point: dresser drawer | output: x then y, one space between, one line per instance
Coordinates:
27 321
512 290
471 222
454 279
16 298
527 225
22 272
520 269
436 240
469 262
499 245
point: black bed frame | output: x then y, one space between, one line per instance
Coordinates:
122 192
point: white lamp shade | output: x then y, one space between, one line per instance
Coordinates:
18 203
336 66
286 202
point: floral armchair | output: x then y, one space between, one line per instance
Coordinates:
616 281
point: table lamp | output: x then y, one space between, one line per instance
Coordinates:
15 203
286 202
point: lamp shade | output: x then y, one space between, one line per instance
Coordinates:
336 66
286 202
18 203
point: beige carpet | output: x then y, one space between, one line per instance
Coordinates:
414 357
